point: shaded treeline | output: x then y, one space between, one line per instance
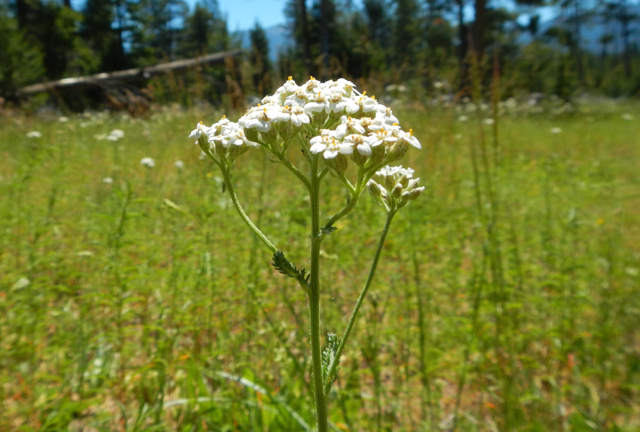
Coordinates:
428 44
48 40
434 42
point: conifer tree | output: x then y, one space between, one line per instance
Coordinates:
406 30
152 32
378 21
20 61
204 30
297 17
262 71
105 41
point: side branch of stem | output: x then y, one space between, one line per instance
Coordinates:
354 194
234 198
291 167
354 315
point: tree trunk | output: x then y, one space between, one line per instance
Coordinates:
480 7
21 13
463 48
324 34
302 8
138 74
577 30
624 23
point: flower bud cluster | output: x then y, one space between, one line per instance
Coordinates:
340 121
225 139
367 140
395 187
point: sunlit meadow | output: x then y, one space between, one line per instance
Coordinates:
132 297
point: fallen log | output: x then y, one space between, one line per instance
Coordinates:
137 74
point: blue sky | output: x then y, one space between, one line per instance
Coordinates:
242 14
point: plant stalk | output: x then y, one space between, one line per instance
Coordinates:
334 365
232 193
314 300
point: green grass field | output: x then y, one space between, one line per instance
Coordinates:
507 299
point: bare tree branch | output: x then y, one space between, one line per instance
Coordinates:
137 74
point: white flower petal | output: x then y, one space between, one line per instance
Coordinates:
317 148
330 154
313 107
346 148
364 149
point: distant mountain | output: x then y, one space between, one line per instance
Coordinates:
593 28
277 35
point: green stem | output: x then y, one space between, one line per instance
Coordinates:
323 173
291 167
354 194
314 300
232 193
334 365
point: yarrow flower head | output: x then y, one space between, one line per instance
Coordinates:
331 119
395 187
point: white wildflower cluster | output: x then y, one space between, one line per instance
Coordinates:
147 162
224 139
331 118
395 187
114 135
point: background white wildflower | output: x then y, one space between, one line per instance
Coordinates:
148 162
115 135
23 282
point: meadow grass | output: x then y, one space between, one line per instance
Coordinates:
507 299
